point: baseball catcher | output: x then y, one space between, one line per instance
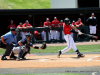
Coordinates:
23 47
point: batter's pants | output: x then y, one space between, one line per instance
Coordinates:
70 43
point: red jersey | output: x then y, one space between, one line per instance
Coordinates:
18 26
73 24
40 26
35 33
55 23
47 24
77 23
12 26
61 25
24 25
66 29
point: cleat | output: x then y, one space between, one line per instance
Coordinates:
59 53
24 58
12 56
80 55
18 59
3 58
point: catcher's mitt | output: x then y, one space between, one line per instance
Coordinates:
43 46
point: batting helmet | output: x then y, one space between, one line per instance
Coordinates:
66 20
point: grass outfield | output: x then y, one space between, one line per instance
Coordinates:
54 49
48 74
25 4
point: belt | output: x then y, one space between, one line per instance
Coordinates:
67 34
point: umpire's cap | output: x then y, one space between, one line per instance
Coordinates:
12 29
27 34
66 20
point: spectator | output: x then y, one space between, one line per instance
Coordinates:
55 24
92 22
41 32
11 25
20 27
58 31
79 23
37 35
26 25
8 39
41 25
73 23
47 24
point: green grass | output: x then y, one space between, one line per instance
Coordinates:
82 48
48 74
54 49
25 4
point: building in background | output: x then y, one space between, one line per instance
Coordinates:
74 3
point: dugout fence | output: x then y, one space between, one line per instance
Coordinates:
76 38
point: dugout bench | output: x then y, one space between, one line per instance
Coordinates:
85 28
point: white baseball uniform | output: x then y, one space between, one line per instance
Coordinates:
44 32
69 39
53 32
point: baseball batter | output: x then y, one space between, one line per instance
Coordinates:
70 42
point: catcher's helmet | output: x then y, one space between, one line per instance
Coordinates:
27 34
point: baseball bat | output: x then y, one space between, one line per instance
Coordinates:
91 36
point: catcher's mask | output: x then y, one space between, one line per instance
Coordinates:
29 35
66 20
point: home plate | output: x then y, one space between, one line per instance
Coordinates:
89 59
42 59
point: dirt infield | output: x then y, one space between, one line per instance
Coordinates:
34 61
51 61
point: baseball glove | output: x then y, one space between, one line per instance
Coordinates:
43 46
